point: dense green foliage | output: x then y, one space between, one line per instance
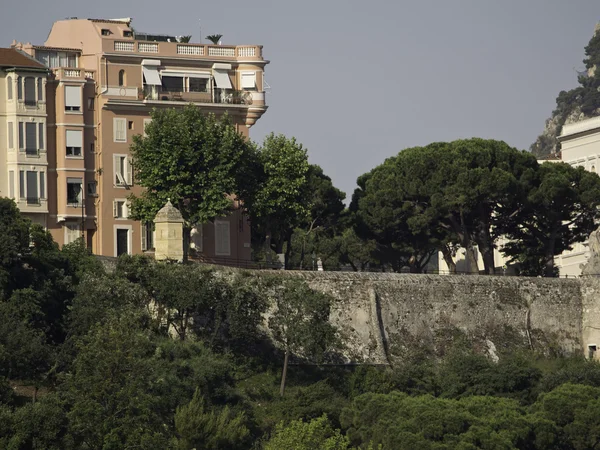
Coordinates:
469 193
176 356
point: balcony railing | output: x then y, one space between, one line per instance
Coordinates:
32 152
166 49
229 96
33 200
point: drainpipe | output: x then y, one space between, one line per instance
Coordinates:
105 76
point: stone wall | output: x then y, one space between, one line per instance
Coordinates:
385 316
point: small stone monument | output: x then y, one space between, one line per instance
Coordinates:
592 267
168 242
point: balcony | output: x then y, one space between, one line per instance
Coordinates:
176 49
73 73
219 96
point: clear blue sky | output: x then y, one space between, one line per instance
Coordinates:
356 82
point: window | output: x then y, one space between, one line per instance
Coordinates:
30 91
21 184
74 142
19 88
146 123
72 98
105 32
92 188
119 129
33 197
127 33
31 139
92 147
120 210
74 193
40 89
592 351
172 84
11 184
121 77
91 103
222 244
198 84
147 236
9 88
41 135
28 186
21 136
56 59
122 170
11 138
42 185
130 125
248 80
72 232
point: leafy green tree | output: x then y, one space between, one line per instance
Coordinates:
300 435
282 199
111 391
300 323
199 428
445 194
560 209
193 159
326 207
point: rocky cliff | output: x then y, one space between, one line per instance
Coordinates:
574 105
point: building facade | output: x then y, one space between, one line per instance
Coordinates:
106 79
23 140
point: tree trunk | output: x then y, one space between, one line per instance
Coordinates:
284 373
487 254
288 252
470 256
549 257
447 254
302 252
268 250
187 235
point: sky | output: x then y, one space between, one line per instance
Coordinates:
356 82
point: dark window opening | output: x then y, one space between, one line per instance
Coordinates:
172 84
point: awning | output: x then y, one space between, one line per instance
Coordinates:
173 73
151 76
222 79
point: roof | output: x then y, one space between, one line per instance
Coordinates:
10 57
67 49
168 213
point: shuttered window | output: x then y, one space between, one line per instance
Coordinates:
222 244
74 142
72 98
120 129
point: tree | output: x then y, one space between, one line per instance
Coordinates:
281 202
300 435
193 159
559 210
199 428
439 196
214 38
300 323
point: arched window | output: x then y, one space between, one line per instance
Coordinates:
19 88
593 168
122 77
9 87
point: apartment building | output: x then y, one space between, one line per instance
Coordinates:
106 79
23 141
